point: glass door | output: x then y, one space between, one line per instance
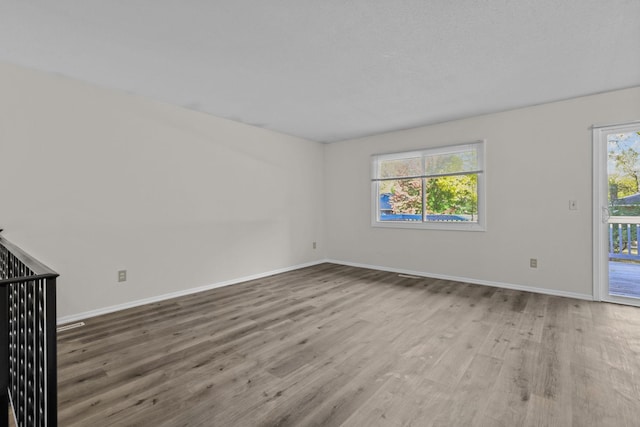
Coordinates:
617 213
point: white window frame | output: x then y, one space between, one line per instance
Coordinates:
480 225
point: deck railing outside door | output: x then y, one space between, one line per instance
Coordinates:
624 234
28 376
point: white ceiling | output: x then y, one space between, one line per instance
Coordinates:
329 70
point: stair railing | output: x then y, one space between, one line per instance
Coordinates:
28 375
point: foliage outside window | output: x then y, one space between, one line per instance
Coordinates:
623 170
432 188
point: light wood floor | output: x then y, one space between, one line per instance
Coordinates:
340 346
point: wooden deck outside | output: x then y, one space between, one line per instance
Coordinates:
624 279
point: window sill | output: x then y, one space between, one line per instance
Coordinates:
430 225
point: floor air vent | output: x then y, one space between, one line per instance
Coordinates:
69 326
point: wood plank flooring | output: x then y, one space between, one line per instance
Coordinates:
333 345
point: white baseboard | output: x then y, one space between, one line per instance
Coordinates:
137 303
525 288
113 308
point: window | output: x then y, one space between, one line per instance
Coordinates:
438 188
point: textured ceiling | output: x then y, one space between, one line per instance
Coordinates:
333 69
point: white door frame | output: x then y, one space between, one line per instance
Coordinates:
600 213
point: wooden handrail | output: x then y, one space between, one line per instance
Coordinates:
624 220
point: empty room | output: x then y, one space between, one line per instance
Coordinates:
332 213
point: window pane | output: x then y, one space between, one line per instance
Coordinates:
452 198
399 168
623 152
455 159
400 200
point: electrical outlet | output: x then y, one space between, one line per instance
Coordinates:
314 245
533 263
122 276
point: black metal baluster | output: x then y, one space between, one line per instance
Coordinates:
51 371
4 356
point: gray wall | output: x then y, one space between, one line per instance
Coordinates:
537 160
94 181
